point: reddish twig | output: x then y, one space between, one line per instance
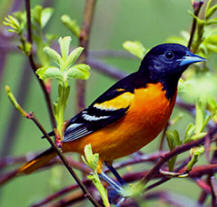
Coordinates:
68 200
176 151
56 195
203 185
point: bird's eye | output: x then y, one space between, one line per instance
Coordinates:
169 55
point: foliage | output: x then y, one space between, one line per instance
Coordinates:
92 160
64 70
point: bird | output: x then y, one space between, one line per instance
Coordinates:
127 116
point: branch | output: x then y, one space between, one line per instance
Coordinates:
176 151
59 153
140 159
63 159
111 54
57 195
34 67
84 42
197 6
106 69
131 177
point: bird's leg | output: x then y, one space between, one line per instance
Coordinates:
111 182
115 173
115 190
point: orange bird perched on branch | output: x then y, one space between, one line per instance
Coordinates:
128 115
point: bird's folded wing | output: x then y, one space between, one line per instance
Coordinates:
107 109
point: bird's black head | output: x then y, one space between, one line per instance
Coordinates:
166 62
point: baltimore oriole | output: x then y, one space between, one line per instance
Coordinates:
128 115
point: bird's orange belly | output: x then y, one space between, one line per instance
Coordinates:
146 117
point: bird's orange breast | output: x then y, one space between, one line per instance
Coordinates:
148 114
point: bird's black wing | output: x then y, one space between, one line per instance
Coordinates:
108 108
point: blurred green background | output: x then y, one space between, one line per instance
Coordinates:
115 21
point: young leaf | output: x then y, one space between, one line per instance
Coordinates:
64 46
13 23
25 47
189 132
173 140
91 159
45 16
135 47
199 116
196 152
211 11
71 25
49 73
73 56
80 71
53 54
198 136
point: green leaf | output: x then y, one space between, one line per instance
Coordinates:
196 152
49 73
91 159
36 14
71 25
199 21
73 56
26 47
211 21
198 136
210 11
199 116
45 16
53 54
189 132
13 23
176 118
64 46
80 71
135 47
173 140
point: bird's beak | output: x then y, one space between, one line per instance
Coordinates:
190 58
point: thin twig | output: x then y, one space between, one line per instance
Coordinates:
84 42
176 151
106 69
14 118
197 8
34 66
63 159
111 54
